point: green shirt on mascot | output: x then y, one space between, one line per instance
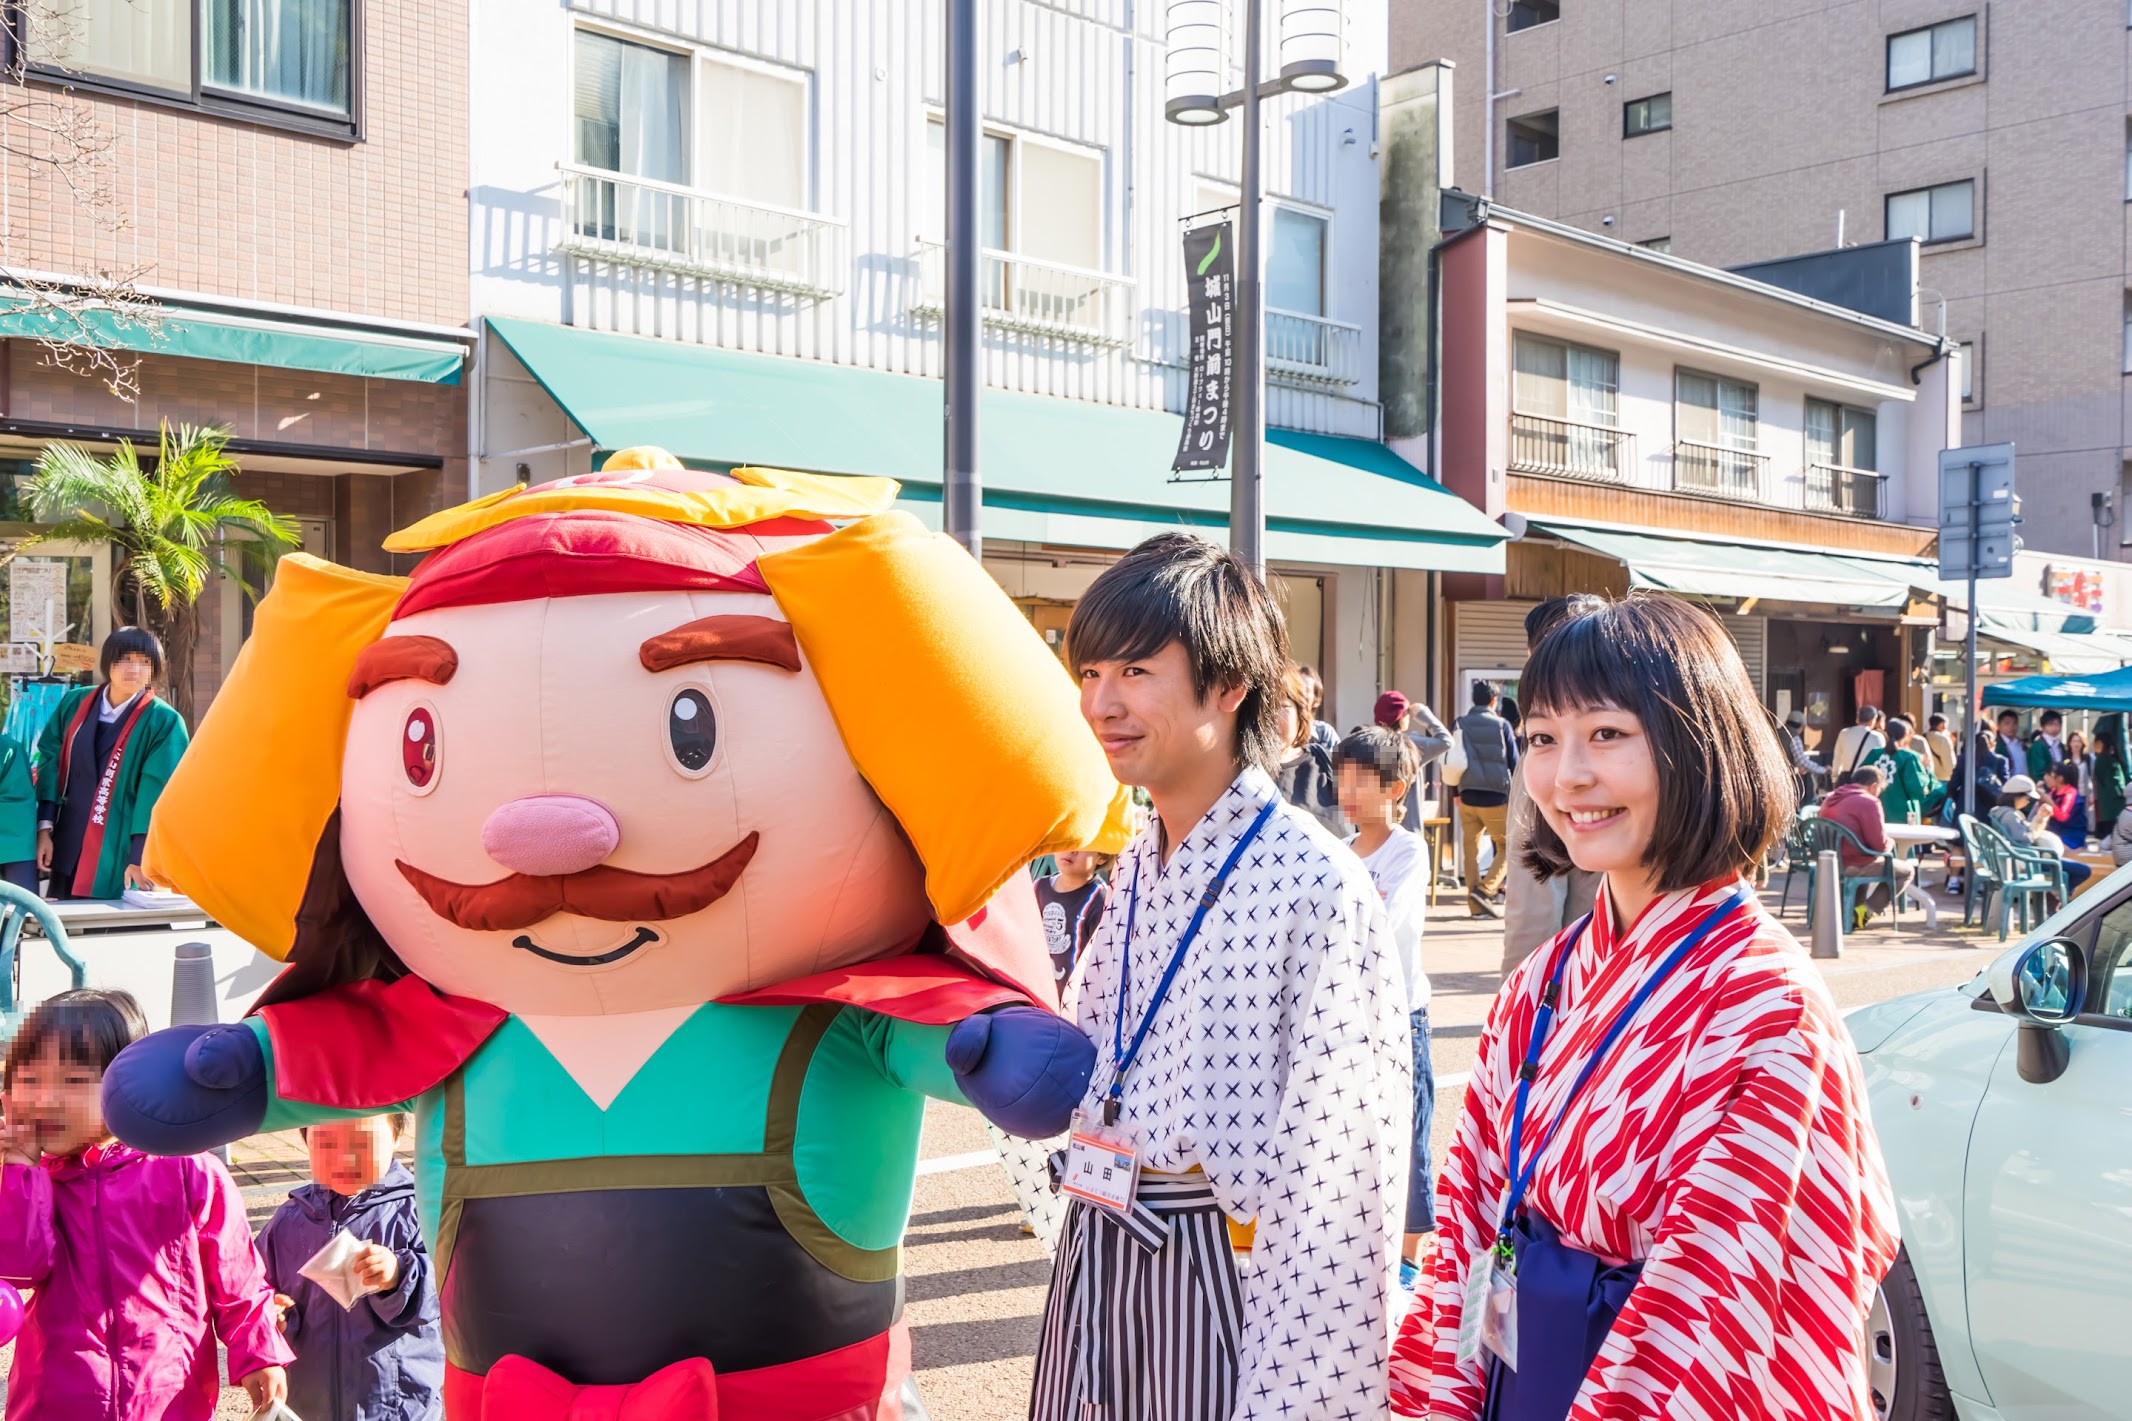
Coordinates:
615 843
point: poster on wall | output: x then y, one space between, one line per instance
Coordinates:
1210 283
36 600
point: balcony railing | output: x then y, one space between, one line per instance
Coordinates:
1312 350
1717 472
1835 488
642 222
1565 449
1017 293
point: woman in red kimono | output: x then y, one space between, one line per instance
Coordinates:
1664 1198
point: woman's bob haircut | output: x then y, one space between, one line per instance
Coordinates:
1724 783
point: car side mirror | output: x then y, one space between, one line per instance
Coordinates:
2046 985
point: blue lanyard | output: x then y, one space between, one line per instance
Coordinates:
1541 1022
1122 1056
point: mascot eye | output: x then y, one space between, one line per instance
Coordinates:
418 748
691 730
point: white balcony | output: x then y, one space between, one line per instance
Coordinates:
1312 350
640 222
1017 293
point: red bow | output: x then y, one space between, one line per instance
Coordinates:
527 1391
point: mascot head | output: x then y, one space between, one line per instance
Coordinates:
628 741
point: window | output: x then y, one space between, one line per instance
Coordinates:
1295 263
2110 964
1946 213
1839 436
1970 381
751 134
1716 429
631 108
282 51
1524 14
288 61
1657 244
1035 199
1652 115
1534 138
1943 51
1565 403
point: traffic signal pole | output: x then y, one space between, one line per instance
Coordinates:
1969 655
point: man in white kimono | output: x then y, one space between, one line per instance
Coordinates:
1248 1270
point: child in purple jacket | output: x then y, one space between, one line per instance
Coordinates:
137 1263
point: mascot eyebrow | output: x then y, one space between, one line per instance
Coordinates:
402 658
729 638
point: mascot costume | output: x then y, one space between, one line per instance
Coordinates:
660 844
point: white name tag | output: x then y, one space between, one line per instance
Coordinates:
1102 1165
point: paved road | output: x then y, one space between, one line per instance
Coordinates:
977 1284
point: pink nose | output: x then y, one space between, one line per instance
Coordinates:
547 834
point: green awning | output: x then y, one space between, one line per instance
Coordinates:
1740 571
1065 472
244 340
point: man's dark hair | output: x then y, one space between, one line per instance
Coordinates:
1898 730
1381 750
1483 695
1179 587
1554 612
2006 715
1725 784
1936 721
1867 775
131 641
89 1025
2050 717
1868 714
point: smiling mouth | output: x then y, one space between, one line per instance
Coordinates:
1593 818
644 938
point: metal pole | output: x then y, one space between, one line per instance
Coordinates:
1247 514
960 490
1969 656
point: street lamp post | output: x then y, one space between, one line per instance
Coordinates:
961 492
1310 55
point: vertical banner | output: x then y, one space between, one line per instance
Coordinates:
1210 281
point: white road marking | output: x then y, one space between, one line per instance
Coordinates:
949 1164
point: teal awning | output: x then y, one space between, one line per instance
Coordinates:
1064 472
244 340
2110 691
1697 568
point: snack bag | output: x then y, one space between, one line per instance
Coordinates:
333 1268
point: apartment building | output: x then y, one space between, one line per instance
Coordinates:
286 181
1734 131
718 229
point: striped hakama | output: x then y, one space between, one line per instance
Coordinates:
1145 1311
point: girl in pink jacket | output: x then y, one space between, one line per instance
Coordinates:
137 1262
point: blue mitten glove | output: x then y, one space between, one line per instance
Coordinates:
1024 1067
187 1089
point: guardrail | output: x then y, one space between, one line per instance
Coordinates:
1566 449
1312 350
641 222
1018 293
1838 488
1718 472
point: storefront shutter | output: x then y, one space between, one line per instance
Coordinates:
1751 636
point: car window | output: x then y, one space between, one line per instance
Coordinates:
2110 962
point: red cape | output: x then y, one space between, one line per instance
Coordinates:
367 1045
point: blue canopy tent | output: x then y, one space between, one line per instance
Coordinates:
2106 691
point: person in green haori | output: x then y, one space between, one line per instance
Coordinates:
18 816
103 760
1909 785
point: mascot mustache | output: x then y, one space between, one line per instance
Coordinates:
609 894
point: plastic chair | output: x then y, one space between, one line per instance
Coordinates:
1821 835
17 907
1980 879
2026 879
1797 860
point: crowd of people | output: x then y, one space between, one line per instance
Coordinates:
1250 970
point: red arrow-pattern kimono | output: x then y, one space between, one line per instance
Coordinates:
1724 1143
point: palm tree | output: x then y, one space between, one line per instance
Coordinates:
171 526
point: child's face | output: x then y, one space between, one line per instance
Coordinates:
348 1156
54 1105
1365 799
1077 863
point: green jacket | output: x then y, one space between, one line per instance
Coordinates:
2109 791
1909 784
18 804
152 755
2039 759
